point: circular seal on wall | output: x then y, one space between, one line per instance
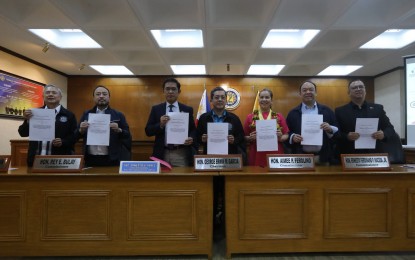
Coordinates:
233 98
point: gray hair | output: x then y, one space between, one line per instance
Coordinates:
52 86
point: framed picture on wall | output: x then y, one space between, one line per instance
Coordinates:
18 94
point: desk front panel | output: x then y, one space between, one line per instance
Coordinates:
105 214
323 211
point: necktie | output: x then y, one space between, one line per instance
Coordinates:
171 108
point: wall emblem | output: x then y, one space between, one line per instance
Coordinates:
233 98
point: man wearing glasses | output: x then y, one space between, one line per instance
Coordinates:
358 107
175 155
236 136
218 114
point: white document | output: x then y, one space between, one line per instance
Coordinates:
217 142
99 129
177 128
310 129
266 135
366 127
42 125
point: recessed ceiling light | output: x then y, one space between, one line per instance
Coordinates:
288 38
66 38
111 69
265 69
186 38
339 70
188 69
391 39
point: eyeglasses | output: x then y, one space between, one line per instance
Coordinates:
357 87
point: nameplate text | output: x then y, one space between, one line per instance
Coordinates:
354 162
133 167
232 162
290 162
58 163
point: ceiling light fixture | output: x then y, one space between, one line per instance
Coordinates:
46 47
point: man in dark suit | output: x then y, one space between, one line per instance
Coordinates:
175 155
120 136
218 114
324 154
65 126
236 145
358 107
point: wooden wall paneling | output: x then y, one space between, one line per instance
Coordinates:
19 152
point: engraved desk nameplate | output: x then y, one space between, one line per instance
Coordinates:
211 162
4 163
365 162
290 162
58 163
132 167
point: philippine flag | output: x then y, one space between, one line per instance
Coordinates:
204 106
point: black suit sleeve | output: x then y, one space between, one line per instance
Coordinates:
24 129
238 131
69 139
385 124
153 123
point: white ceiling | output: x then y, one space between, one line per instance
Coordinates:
233 32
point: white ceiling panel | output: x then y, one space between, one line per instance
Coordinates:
233 32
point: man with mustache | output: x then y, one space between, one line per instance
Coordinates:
218 114
358 107
120 137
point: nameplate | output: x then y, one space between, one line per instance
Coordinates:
58 163
290 162
4 163
139 167
231 162
358 162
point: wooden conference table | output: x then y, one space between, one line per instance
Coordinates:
101 212
328 210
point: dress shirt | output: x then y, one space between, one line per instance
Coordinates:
175 107
313 111
218 119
